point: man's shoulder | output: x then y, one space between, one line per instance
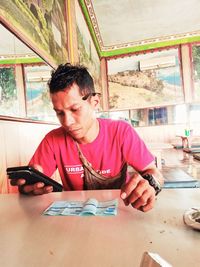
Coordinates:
56 133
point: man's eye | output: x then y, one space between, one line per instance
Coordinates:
59 113
76 109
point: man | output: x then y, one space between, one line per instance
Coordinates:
92 153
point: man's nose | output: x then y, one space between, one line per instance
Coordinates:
68 120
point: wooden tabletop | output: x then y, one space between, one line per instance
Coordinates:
28 238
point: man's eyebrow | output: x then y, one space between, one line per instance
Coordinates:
56 109
73 105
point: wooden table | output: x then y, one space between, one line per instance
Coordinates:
27 238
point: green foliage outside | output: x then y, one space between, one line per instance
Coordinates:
196 60
7 84
196 74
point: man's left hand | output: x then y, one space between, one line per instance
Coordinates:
139 193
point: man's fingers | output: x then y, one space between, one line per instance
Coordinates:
35 189
144 203
141 192
138 200
38 188
17 182
134 189
44 190
30 188
149 206
138 192
127 188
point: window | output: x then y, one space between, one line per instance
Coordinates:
145 80
38 102
9 104
196 75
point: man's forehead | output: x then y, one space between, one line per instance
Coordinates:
66 99
68 91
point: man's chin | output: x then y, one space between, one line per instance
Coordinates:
76 135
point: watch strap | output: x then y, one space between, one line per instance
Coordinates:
152 181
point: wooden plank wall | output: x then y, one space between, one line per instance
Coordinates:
166 134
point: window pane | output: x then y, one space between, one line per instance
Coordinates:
148 80
196 66
9 104
39 105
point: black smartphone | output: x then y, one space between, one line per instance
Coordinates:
32 176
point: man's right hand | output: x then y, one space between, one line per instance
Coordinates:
33 189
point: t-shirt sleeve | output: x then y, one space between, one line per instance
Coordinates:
135 150
44 156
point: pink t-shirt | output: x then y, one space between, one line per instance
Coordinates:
116 144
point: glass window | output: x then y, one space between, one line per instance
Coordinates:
145 80
115 115
180 113
158 116
38 102
119 115
194 113
172 114
9 104
196 75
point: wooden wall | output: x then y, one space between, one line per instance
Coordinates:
166 134
18 141
161 133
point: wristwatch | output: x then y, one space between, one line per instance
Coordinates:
152 181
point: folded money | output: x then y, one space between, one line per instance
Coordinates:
90 207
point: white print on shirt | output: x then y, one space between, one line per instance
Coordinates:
76 169
104 171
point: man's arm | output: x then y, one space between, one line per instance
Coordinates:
138 192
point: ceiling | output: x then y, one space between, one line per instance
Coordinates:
13 50
10 45
123 26
126 26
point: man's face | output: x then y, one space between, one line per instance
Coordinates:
75 114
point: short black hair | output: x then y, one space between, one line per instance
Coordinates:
66 74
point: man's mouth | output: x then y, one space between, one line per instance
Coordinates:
72 131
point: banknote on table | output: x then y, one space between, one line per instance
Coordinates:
90 207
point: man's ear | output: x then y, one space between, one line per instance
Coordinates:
95 101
